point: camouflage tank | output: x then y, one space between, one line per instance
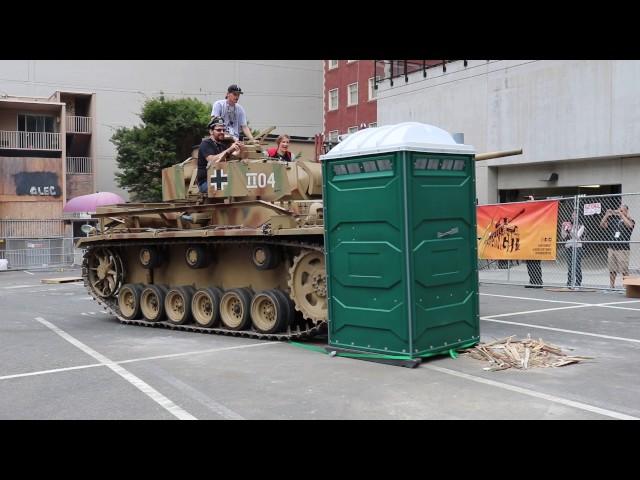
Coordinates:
246 258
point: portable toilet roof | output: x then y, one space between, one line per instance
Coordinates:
411 136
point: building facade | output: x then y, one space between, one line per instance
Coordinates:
46 158
349 97
578 122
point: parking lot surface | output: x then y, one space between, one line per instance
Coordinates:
63 357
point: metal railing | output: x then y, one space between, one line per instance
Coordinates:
77 124
22 254
390 69
29 140
585 256
13 228
81 165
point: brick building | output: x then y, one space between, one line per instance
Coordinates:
349 97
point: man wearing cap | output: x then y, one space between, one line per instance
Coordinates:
212 150
232 113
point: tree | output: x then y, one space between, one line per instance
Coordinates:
169 130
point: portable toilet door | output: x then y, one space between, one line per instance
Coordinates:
400 241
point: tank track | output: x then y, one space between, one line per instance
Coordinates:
111 304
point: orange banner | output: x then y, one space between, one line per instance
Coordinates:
518 231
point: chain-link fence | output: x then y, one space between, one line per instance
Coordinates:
595 236
34 253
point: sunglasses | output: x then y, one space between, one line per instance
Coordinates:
218 129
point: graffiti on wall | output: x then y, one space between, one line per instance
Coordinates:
37 183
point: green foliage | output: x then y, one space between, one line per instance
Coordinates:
169 130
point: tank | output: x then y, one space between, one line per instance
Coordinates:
246 258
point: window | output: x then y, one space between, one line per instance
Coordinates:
333 99
373 124
372 91
352 130
332 64
333 136
35 123
352 98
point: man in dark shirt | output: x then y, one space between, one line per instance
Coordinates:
212 150
619 232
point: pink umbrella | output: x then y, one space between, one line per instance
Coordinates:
88 203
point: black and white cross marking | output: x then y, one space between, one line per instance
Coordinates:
219 179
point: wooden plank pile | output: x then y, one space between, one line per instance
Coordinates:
523 354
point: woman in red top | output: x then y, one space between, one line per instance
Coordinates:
281 152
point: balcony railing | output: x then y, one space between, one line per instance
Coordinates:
78 124
392 69
29 140
79 165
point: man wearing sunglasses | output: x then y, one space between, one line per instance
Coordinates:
212 150
232 113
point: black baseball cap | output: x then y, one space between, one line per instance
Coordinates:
216 121
234 89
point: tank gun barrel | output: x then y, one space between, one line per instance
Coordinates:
498 154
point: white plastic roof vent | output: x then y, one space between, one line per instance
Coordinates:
413 136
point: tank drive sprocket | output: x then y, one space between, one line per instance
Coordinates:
308 285
105 272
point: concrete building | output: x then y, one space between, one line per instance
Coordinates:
46 158
578 122
284 93
349 97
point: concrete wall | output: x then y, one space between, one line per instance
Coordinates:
557 111
285 93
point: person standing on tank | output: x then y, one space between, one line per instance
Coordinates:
213 150
233 114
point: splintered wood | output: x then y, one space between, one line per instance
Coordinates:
523 354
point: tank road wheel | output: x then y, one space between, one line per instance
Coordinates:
308 284
105 272
269 312
152 302
196 256
235 308
205 305
265 257
149 257
129 300
177 304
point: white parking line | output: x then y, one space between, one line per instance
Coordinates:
209 350
531 298
536 311
19 286
28 272
141 359
55 370
145 388
490 319
532 393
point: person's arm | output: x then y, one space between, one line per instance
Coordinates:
580 232
233 149
216 111
565 231
604 223
242 121
247 133
628 221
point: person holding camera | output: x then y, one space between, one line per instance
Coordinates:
574 230
213 150
619 226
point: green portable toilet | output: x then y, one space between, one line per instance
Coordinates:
400 242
